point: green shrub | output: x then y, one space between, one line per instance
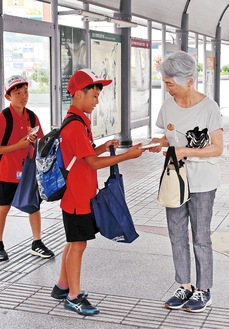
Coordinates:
41 76
225 68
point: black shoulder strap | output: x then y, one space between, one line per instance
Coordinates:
71 118
9 123
75 117
9 126
32 118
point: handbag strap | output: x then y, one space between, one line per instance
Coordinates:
174 158
113 169
172 154
169 154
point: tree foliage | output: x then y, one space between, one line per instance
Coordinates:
225 68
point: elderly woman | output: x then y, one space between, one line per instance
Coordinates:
185 110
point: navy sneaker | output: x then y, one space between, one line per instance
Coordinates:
3 253
80 305
59 293
199 301
179 299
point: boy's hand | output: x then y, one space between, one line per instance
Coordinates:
135 151
23 143
114 142
32 138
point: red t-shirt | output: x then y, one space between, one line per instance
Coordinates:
11 163
82 179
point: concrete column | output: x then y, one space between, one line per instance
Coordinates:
149 28
55 63
184 28
88 40
204 64
182 35
216 45
197 52
125 135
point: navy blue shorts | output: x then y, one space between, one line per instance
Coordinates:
7 191
79 227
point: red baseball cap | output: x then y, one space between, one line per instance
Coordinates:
82 78
13 81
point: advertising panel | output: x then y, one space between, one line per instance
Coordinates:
106 63
73 57
210 67
140 70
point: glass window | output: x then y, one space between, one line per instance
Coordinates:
224 100
156 92
141 31
29 56
69 20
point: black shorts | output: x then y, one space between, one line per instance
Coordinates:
79 227
7 191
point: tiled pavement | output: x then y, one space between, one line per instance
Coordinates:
129 283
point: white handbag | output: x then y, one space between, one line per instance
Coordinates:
173 187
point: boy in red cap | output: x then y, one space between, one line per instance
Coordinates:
84 87
13 151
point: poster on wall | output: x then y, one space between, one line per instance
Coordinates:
106 63
140 71
24 8
210 67
73 57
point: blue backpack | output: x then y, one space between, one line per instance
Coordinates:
51 174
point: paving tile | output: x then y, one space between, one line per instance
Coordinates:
139 313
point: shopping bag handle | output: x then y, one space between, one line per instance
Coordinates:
32 150
113 169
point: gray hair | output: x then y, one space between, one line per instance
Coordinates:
181 67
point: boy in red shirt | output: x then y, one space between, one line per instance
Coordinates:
84 87
13 155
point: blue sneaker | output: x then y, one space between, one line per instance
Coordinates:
80 305
179 299
199 301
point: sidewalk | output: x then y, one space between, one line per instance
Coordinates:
129 283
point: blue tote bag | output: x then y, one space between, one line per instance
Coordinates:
27 197
110 210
